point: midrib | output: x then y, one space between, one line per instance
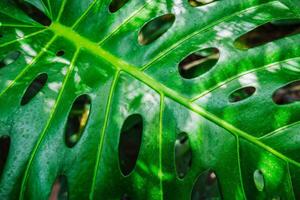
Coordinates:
121 65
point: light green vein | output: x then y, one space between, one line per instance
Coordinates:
19 25
290 180
160 171
42 135
84 14
23 38
119 64
239 165
33 22
100 145
45 7
26 68
62 8
118 28
279 130
50 8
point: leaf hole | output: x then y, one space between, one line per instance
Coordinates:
198 63
155 28
116 5
267 33
34 88
60 53
9 58
183 155
33 12
241 94
259 180
4 150
77 120
196 3
206 186
130 143
287 94
60 189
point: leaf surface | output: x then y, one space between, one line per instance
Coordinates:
240 144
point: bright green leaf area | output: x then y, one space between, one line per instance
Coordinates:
251 145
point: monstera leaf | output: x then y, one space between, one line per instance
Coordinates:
141 99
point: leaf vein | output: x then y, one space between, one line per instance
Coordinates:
100 145
53 111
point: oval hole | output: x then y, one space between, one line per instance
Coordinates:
130 143
33 12
259 180
10 58
206 186
77 120
116 5
152 30
198 63
4 150
183 155
287 94
196 3
34 88
268 32
60 53
60 189
241 94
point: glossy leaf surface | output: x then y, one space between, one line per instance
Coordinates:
247 148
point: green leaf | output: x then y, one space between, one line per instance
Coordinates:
96 106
